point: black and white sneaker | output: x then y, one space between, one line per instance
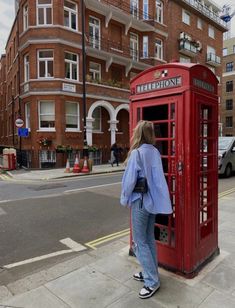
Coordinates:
138 276
147 292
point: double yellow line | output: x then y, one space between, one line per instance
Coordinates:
5 177
107 238
226 192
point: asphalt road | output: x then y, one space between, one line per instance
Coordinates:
35 217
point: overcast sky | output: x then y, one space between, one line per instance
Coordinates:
7 12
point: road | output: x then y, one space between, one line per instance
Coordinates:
36 217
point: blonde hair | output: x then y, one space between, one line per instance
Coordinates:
142 133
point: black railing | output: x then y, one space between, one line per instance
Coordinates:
211 57
188 46
136 12
117 48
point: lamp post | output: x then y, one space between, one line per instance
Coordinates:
13 119
85 148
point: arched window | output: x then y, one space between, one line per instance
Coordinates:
96 115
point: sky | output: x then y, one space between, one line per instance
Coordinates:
7 13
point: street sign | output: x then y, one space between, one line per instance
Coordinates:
19 122
23 132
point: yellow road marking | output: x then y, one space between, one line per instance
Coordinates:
5 177
226 192
107 238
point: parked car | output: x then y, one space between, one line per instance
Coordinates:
226 156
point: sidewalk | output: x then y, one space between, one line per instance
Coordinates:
103 278
52 174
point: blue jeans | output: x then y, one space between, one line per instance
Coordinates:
144 245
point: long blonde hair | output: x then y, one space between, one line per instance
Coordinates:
143 133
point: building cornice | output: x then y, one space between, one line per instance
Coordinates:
44 93
50 27
228 74
49 41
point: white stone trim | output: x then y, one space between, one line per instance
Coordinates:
120 107
119 100
227 74
49 41
106 105
50 26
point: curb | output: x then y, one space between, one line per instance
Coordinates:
64 176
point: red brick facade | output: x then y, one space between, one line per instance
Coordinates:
41 74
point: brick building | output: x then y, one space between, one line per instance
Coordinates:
43 67
228 88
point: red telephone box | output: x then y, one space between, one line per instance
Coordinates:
181 100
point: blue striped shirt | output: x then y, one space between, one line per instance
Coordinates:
157 199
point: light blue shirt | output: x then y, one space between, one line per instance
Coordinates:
157 199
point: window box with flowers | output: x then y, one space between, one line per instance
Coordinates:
45 142
64 149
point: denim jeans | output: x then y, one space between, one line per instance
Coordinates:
144 245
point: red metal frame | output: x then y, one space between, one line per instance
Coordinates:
183 105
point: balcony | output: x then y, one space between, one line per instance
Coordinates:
112 52
213 60
187 48
207 12
121 11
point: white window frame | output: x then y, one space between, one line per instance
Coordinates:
186 17
211 50
25 17
225 51
134 8
46 60
159 11
199 23
145 46
158 49
211 31
27 116
184 59
134 46
44 7
68 129
51 129
26 68
71 63
94 43
100 120
71 11
145 9
95 72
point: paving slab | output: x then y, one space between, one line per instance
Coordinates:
175 294
218 299
38 279
5 294
87 288
117 268
38 298
222 278
132 300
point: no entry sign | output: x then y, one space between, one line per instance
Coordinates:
19 122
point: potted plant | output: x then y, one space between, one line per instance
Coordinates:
45 142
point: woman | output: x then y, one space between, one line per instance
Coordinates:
155 201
